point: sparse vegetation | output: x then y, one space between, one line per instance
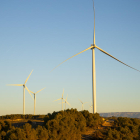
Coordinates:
19 116
124 129
63 125
69 125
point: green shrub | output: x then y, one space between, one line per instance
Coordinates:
92 120
65 124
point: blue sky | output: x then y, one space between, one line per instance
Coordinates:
39 35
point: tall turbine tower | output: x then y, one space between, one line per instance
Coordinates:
92 47
24 86
93 68
35 98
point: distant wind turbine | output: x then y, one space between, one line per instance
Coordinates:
82 104
92 47
90 107
35 98
66 102
61 99
24 86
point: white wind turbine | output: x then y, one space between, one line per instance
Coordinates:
35 98
90 106
92 47
61 99
66 102
24 86
82 104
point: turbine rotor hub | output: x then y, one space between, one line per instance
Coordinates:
93 46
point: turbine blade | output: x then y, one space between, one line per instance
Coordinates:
28 77
85 102
40 90
94 23
63 93
66 97
80 101
29 92
114 58
68 103
61 103
72 57
14 85
57 99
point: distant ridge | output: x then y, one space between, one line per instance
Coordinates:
121 114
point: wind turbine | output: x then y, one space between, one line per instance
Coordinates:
66 102
24 86
92 47
61 99
82 104
35 98
90 106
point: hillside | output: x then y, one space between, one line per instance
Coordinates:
121 114
62 125
69 125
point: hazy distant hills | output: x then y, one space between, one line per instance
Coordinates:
121 114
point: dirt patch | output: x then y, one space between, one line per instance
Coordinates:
21 122
88 135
